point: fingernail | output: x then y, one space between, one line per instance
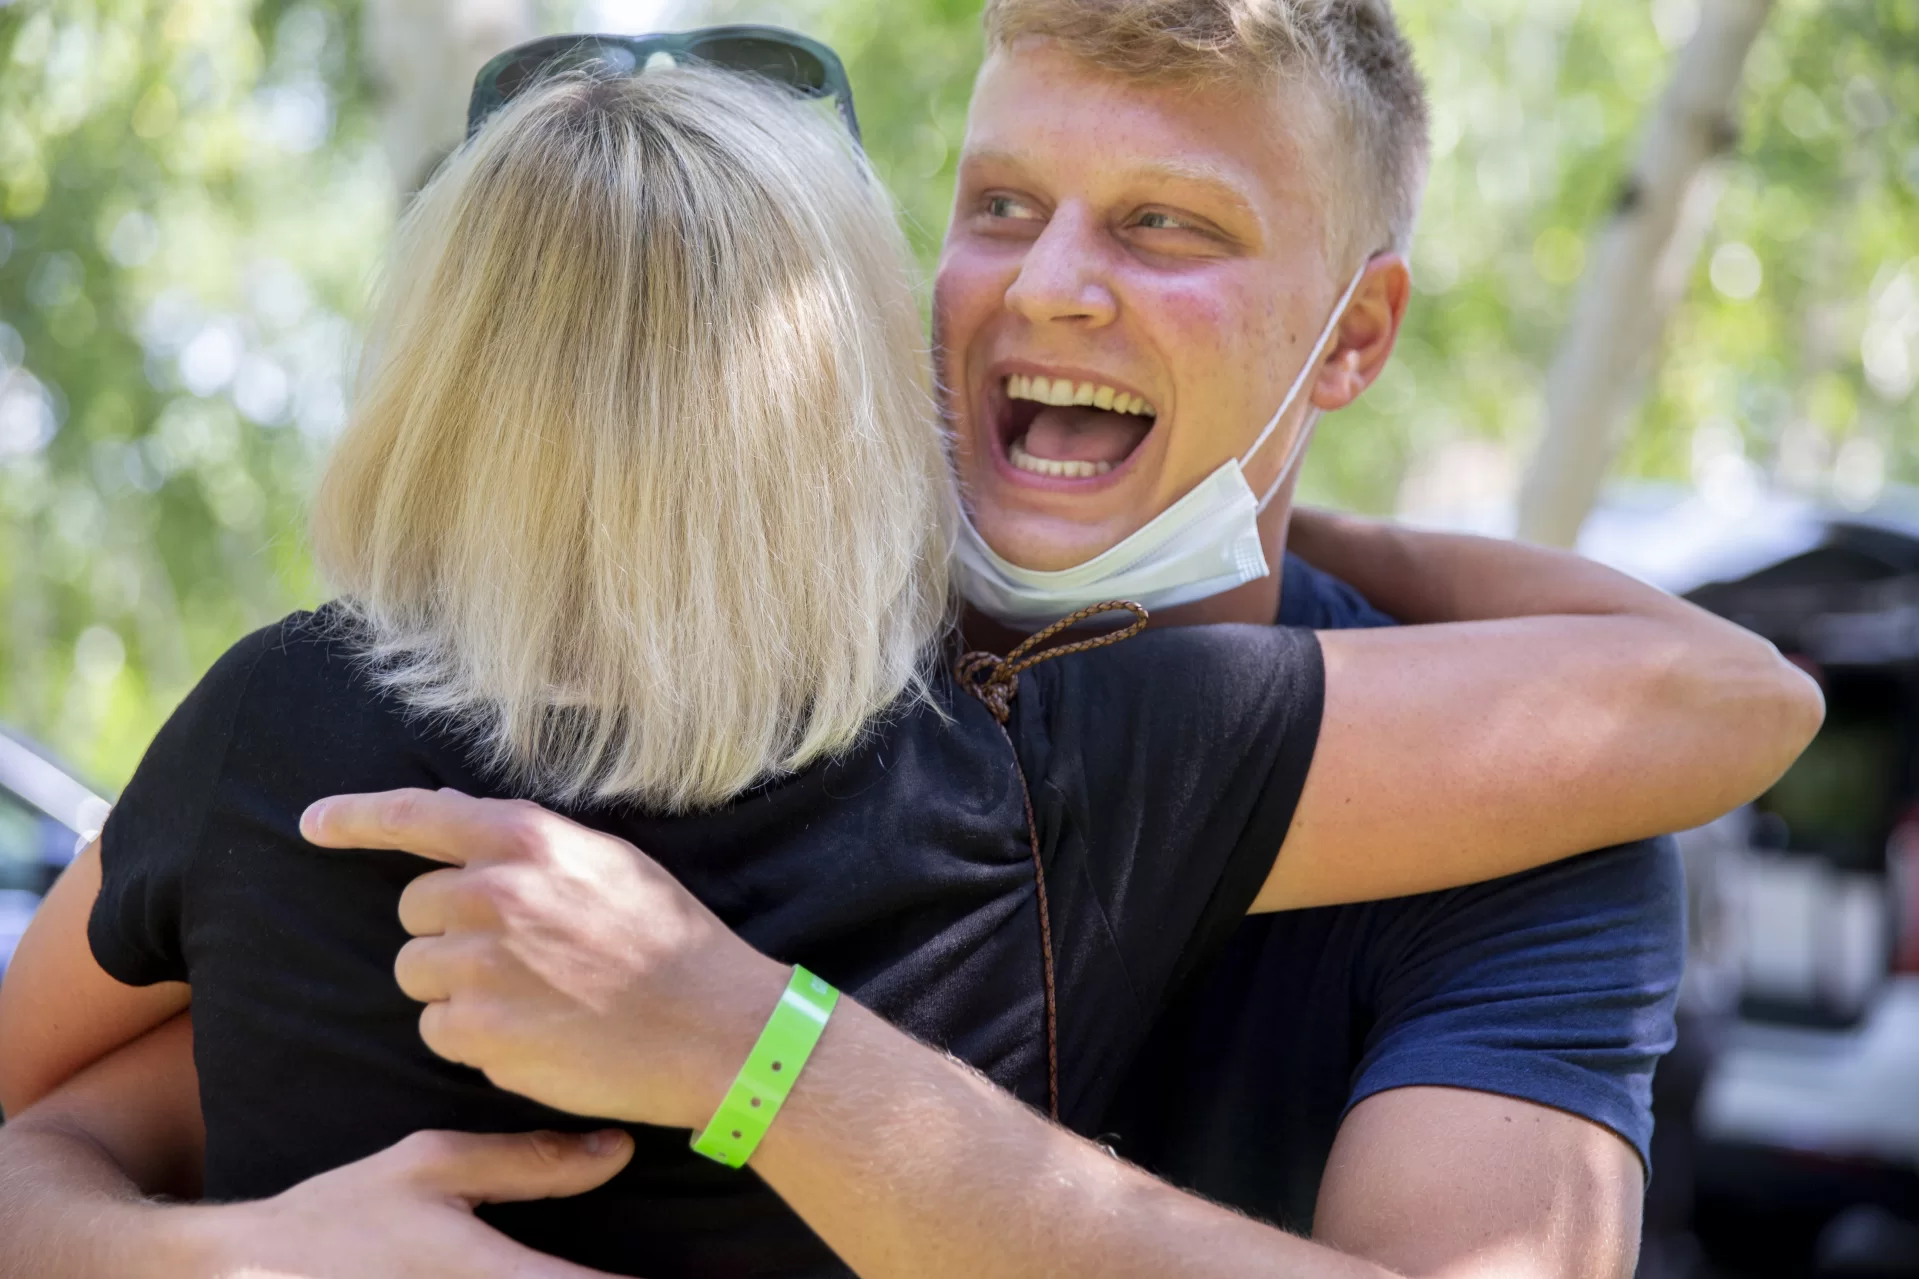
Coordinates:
598 1143
310 819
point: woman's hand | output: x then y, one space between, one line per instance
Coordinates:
562 962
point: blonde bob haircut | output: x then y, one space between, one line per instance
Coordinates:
644 488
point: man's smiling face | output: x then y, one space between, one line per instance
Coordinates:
1132 278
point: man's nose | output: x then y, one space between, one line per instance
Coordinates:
1063 277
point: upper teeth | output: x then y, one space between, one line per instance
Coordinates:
1065 391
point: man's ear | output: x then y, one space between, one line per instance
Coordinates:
1367 334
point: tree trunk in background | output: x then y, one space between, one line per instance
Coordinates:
1637 272
423 55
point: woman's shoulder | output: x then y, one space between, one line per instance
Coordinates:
1222 666
299 703
306 653
304 679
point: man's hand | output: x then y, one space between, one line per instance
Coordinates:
562 962
407 1211
74 1167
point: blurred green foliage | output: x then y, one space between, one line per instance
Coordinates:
192 206
189 207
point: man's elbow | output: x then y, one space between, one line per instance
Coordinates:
1746 711
1788 710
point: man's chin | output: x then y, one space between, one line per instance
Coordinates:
1046 543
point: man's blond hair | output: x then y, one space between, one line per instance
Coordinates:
645 489
1350 52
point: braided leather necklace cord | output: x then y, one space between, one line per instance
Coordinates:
995 681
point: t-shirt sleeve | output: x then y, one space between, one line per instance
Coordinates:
1179 757
1556 986
154 831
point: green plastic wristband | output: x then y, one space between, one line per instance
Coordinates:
760 1089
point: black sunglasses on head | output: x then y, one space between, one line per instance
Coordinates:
784 57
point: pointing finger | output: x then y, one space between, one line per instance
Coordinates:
443 825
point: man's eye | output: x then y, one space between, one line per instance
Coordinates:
1153 221
1005 206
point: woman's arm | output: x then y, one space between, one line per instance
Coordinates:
1548 707
59 1010
1423 577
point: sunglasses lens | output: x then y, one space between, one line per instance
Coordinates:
610 60
784 63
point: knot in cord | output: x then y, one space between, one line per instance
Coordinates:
995 679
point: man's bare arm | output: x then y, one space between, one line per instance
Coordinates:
1443 1183
909 1164
570 967
76 1167
905 1161
72 1171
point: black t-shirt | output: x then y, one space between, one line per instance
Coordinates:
1164 770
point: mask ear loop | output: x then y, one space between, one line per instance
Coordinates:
1292 459
1306 371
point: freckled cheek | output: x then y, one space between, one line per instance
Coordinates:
1210 337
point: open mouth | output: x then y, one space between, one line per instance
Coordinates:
1070 430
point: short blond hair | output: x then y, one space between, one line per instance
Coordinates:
1350 51
644 489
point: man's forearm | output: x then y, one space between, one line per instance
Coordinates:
76 1166
909 1164
904 1161
67 1209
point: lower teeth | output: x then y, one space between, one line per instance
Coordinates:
1025 461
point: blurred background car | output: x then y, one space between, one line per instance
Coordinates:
46 816
1788 1116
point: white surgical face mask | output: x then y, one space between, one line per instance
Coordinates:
1200 546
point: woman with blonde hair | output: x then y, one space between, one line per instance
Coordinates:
643 512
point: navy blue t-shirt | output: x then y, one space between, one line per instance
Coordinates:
1555 986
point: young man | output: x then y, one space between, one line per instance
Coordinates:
1182 200
1163 205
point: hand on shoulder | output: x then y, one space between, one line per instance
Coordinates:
564 963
